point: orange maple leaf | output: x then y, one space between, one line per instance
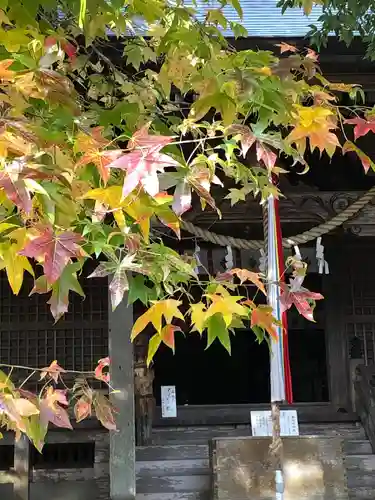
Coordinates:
246 275
263 316
286 47
167 335
5 73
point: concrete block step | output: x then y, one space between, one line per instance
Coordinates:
357 447
158 468
362 493
181 495
172 452
364 463
358 479
200 435
173 484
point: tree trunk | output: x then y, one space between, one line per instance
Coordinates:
143 392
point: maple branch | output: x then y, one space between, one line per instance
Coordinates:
29 368
27 379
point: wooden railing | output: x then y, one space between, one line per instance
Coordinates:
364 387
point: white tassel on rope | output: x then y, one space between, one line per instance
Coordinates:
322 263
229 259
197 259
296 283
262 261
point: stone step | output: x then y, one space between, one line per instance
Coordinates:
200 435
357 447
358 479
172 484
363 463
172 452
190 451
159 468
362 493
181 495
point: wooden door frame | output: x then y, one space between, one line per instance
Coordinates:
335 330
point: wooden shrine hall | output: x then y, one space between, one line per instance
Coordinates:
332 360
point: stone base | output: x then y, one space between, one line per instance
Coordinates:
313 469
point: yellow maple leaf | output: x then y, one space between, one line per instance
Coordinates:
167 309
15 265
111 197
198 316
226 306
314 123
138 207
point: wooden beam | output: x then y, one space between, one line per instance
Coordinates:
209 415
22 469
122 441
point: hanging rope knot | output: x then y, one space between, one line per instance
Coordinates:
310 235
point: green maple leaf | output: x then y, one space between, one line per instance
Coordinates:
236 195
138 290
134 55
68 281
217 329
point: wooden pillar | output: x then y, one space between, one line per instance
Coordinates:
122 441
336 339
22 469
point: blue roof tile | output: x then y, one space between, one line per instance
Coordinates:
263 19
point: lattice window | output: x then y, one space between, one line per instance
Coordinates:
29 337
363 336
361 300
64 456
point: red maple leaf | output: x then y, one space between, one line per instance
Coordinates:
265 155
69 49
82 408
54 250
366 161
247 136
142 167
362 126
102 363
53 370
51 409
143 163
302 298
142 139
16 191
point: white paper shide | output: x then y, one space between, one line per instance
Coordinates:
261 423
168 401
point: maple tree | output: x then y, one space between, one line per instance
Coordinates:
347 20
114 114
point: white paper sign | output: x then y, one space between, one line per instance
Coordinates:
168 401
261 423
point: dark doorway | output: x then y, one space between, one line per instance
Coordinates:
209 377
